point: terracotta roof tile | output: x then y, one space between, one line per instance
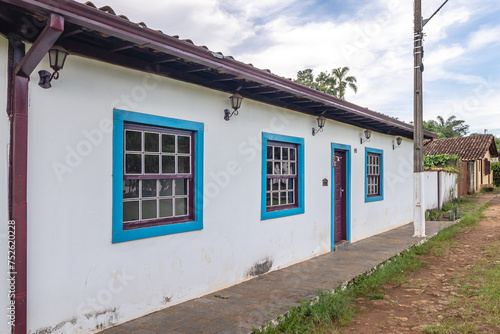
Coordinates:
467 148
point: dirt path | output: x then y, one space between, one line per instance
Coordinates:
433 294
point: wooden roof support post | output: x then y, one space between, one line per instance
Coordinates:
20 69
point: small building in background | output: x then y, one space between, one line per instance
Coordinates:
476 152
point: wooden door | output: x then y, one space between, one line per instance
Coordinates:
340 195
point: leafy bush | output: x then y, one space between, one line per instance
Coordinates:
441 160
496 173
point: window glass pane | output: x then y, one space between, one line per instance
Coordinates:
290 184
166 208
276 199
293 168
269 152
148 188
149 209
276 184
277 168
133 164
283 184
130 188
165 188
268 199
133 140
168 164
168 143
291 197
181 186
277 153
184 166
292 154
151 164
284 152
151 142
284 168
130 211
269 168
183 144
180 206
268 184
283 198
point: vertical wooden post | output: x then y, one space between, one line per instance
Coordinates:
418 136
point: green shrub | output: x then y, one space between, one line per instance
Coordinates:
496 173
446 161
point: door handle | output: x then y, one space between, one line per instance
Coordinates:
341 192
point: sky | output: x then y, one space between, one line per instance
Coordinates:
374 38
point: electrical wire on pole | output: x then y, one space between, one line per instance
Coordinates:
418 132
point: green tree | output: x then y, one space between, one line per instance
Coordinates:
333 83
451 127
343 81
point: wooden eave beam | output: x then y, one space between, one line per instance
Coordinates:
42 45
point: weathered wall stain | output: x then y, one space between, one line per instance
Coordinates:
260 267
100 320
166 300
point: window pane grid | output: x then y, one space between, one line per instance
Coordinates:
373 174
144 157
281 175
157 175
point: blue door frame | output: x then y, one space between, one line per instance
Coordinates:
347 150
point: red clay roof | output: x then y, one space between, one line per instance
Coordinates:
467 148
98 33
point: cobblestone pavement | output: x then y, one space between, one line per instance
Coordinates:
251 304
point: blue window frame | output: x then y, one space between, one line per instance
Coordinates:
157 176
282 176
374 175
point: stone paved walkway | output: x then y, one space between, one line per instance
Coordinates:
250 304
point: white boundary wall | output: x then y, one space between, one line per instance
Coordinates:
448 189
78 281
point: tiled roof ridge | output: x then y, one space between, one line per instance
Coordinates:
109 10
468 148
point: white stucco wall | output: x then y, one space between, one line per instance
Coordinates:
79 280
447 192
430 188
4 162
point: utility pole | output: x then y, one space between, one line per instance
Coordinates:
418 126
418 131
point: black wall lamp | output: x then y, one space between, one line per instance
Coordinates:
368 134
235 104
57 57
398 142
321 123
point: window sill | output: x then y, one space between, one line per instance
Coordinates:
156 231
281 213
374 199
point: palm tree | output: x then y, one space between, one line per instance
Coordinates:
449 128
340 76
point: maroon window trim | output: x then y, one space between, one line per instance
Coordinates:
373 175
487 167
288 177
141 223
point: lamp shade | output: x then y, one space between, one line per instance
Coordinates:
368 134
321 121
236 101
57 57
399 140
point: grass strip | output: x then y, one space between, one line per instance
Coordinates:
332 310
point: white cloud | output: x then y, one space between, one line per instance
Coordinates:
375 41
484 37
